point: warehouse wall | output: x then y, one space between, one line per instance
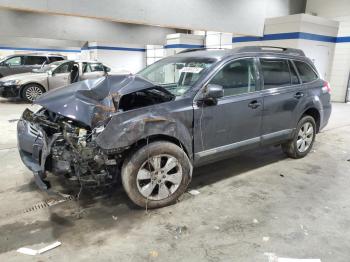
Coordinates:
300 31
340 11
38 25
275 8
224 15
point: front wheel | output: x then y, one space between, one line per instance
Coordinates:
156 174
31 92
303 139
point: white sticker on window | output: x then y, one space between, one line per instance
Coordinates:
194 70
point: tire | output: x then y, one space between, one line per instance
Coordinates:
303 139
32 91
149 186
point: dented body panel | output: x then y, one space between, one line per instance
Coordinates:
172 119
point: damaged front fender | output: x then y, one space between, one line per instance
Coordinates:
127 128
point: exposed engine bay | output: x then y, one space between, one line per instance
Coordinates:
71 150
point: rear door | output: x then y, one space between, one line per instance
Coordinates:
92 70
234 122
282 95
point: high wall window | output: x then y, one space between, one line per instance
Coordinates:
154 53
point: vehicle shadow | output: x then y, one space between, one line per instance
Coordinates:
75 221
13 101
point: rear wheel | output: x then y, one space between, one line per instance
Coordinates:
156 174
32 91
303 139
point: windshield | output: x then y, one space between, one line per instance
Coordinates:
49 67
176 74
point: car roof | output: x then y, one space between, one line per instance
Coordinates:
36 54
222 53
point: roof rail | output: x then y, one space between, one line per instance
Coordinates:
199 49
284 50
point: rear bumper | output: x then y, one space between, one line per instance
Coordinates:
9 91
325 115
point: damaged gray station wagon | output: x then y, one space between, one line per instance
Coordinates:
193 108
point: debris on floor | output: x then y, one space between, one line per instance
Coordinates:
153 253
281 175
306 233
13 120
115 218
272 257
216 227
176 231
255 221
266 239
194 192
33 252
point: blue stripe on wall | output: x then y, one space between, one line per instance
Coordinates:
183 46
116 48
343 39
39 49
292 35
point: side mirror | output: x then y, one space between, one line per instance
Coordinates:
211 93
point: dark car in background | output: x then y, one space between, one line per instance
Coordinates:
22 63
187 110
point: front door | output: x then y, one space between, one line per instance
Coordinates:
234 122
13 65
61 76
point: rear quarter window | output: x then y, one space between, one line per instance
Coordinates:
55 59
306 73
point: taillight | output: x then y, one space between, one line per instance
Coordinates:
326 87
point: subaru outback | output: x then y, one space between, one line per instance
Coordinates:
193 108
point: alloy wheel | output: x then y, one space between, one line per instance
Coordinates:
33 92
159 177
305 137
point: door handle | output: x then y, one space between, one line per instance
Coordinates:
254 104
299 95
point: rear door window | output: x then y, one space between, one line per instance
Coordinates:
34 60
307 74
65 68
93 67
275 72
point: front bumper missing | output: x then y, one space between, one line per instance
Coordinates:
9 91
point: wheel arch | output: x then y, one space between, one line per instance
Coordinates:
160 137
315 114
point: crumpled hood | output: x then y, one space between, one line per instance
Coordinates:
91 101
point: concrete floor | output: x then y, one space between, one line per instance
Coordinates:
259 202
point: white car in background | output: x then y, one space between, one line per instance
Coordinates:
58 74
